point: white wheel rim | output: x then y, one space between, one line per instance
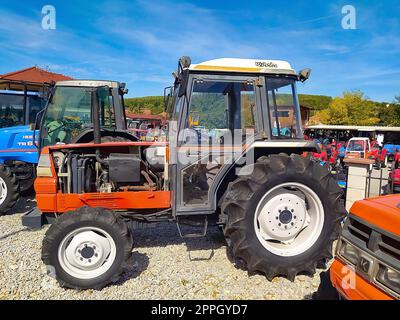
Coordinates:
3 190
289 219
87 252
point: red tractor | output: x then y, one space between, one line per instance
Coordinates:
280 212
394 176
329 155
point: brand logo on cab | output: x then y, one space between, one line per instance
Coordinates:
266 64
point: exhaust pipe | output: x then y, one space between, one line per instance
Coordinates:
96 123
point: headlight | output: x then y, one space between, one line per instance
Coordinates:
389 277
44 166
349 252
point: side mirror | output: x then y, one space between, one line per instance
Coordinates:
304 74
123 89
185 62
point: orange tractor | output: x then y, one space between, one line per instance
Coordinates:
367 262
279 211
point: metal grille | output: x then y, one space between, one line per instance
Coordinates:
378 243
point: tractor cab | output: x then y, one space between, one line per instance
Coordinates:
17 109
255 97
222 109
68 117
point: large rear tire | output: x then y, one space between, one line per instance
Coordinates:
9 189
87 248
282 215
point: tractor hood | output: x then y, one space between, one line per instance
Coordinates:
18 137
14 129
16 143
383 212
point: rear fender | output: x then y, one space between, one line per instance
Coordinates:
257 150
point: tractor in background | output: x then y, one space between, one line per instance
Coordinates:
394 176
147 127
66 107
18 154
68 117
361 147
392 150
279 211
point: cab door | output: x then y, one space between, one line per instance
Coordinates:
220 115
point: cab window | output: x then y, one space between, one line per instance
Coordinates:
283 108
218 108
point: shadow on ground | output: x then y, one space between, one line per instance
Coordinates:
137 264
164 234
325 291
23 205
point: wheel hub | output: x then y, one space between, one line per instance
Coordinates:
87 251
283 217
289 219
88 254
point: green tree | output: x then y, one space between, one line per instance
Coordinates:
315 102
153 103
353 108
336 113
389 113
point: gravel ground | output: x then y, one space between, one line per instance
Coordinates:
162 267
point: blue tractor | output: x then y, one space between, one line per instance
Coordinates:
18 154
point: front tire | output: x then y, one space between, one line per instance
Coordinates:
87 248
9 189
282 215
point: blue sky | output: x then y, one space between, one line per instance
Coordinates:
139 42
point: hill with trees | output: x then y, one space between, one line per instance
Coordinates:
156 103
352 108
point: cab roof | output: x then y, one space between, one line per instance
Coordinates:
89 83
245 66
360 138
